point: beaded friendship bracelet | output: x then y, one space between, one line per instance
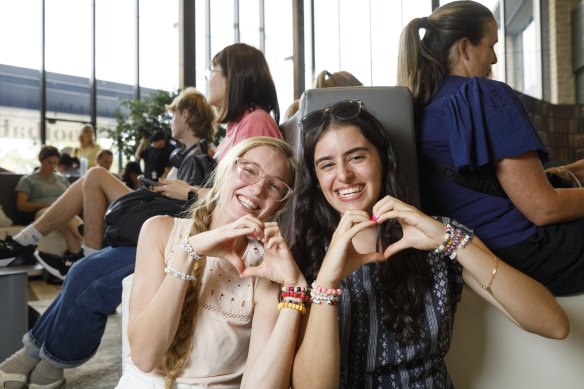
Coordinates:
189 249
295 294
453 241
297 307
183 276
299 296
445 241
321 295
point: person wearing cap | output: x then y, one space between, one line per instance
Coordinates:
156 156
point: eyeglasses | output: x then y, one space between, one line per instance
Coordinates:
209 72
250 173
343 110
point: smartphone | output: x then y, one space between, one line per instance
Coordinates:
148 181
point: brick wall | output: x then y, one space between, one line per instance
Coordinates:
561 127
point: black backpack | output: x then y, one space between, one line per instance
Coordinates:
125 216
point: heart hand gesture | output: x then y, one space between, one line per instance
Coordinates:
278 264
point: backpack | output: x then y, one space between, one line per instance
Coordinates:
125 216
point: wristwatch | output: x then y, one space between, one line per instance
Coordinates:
192 196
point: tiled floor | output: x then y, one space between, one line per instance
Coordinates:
104 369
41 294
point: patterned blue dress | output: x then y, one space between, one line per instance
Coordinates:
371 357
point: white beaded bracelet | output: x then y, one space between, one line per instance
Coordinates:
189 249
183 276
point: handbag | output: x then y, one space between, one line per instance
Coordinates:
125 216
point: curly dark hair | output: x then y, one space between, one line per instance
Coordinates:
407 277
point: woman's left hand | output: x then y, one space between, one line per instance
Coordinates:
420 231
278 265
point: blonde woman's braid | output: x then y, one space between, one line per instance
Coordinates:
177 355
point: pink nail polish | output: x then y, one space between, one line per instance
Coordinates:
373 218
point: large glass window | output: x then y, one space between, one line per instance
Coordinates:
20 61
362 37
523 47
159 44
201 48
279 51
222 25
249 21
68 62
115 57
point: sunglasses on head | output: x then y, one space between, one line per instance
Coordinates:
343 110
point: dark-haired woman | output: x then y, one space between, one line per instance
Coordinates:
387 278
241 86
479 129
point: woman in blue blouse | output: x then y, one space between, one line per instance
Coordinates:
387 278
472 129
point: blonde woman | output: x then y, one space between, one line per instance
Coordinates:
203 306
87 146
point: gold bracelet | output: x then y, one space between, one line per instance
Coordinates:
493 273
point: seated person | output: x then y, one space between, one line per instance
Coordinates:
90 293
105 158
472 128
68 165
323 80
34 194
387 276
130 175
240 85
202 339
156 156
99 188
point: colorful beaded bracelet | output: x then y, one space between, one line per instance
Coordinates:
294 288
298 307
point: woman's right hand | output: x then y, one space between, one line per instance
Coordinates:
223 242
342 258
278 265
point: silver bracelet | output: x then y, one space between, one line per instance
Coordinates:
183 276
572 175
189 249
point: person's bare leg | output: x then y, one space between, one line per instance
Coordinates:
69 231
65 208
71 234
100 188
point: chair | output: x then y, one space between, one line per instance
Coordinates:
392 106
489 351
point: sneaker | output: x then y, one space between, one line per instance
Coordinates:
11 249
24 260
59 384
56 265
